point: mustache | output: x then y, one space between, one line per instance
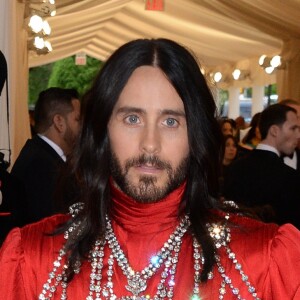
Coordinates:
144 159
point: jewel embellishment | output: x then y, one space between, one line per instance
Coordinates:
165 262
136 285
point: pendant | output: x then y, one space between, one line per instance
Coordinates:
136 285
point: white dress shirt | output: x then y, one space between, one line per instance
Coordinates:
55 147
261 146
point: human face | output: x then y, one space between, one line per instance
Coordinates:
230 150
288 134
72 126
227 128
297 108
148 137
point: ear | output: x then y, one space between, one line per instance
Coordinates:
59 123
273 131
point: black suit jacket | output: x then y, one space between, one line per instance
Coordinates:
262 179
298 159
37 170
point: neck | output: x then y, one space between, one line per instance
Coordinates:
151 216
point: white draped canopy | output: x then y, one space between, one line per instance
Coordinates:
223 34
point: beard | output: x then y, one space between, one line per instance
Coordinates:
69 138
147 191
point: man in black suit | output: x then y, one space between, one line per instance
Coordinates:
261 180
37 168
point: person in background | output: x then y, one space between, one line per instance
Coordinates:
227 126
293 160
149 225
230 150
261 180
230 154
252 137
37 168
241 125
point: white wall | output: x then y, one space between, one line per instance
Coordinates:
13 43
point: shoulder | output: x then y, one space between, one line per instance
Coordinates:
33 236
244 228
45 226
36 155
266 242
26 255
268 254
30 246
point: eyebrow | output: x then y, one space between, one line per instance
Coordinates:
130 109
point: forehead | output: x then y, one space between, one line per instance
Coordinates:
227 124
149 88
296 107
291 118
75 105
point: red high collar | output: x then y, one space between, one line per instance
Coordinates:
146 218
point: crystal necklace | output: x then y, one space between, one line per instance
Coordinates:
136 280
165 262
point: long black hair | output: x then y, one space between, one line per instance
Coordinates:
91 159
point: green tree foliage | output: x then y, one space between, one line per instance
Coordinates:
38 81
63 73
66 74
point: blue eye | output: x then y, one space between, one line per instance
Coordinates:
170 122
132 119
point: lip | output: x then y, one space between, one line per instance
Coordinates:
149 169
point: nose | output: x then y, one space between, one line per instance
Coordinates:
150 142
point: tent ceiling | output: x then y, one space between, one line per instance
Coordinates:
221 33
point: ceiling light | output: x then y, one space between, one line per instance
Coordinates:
36 23
275 61
278 62
269 70
35 12
39 45
264 61
46 28
39 42
238 74
218 76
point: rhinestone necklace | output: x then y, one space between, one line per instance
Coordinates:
137 281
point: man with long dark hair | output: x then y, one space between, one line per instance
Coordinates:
149 225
